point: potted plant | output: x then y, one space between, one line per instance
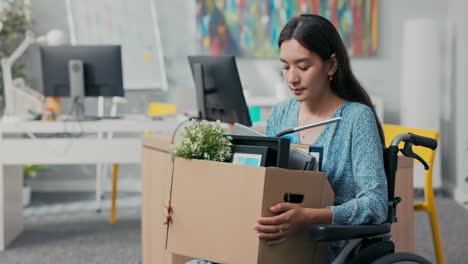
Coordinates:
29 172
203 140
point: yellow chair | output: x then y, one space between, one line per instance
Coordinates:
428 205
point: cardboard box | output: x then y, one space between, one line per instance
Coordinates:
156 179
156 170
403 229
216 205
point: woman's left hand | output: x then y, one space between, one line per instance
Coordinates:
290 218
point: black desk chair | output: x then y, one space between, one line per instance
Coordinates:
371 243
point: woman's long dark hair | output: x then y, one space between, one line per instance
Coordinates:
318 35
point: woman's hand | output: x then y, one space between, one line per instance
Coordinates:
289 219
167 212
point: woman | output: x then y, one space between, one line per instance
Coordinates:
316 67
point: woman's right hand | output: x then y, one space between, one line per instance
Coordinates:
167 212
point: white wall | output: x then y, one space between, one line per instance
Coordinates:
459 151
381 75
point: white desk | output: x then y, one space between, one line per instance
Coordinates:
17 149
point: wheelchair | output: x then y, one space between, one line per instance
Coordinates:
371 243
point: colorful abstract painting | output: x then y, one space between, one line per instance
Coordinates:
250 28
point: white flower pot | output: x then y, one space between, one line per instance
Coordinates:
26 195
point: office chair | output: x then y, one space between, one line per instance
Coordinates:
371 243
428 204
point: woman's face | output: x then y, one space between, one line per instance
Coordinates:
305 72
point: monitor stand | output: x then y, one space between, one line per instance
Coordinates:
77 89
77 110
198 73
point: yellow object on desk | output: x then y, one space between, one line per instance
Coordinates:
161 109
52 108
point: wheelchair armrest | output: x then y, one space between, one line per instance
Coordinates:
344 232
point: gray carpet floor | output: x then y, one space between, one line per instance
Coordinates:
73 233
453 222
64 229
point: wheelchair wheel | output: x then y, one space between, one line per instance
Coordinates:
401 258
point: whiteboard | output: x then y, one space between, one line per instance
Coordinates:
131 24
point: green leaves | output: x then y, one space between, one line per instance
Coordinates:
203 140
14 24
30 171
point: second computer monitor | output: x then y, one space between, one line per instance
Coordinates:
98 68
219 90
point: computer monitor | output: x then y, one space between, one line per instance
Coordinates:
278 148
298 159
79 71
218 89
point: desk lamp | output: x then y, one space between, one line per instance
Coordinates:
53 38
